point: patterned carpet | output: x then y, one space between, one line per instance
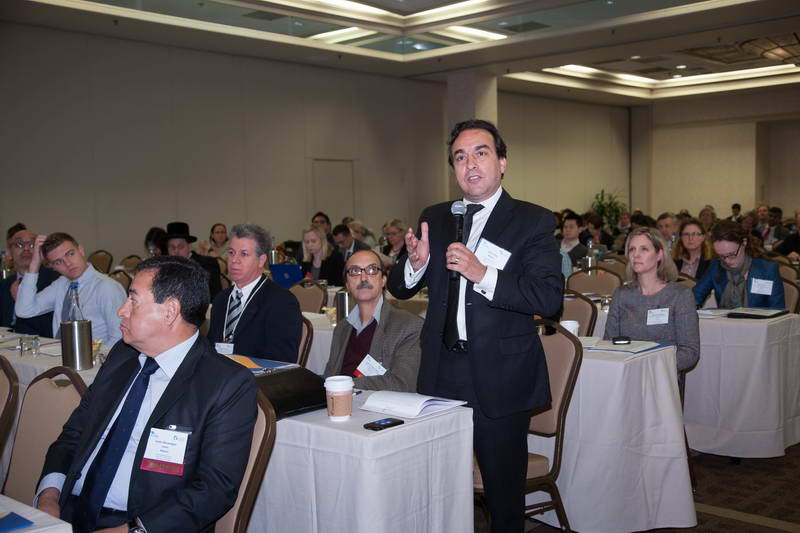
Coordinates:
764 489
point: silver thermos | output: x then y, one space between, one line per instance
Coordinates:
344 304
76 344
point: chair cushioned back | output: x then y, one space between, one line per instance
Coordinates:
787 272
599 282
306 334
311 297
47 406
101 261
560 354
791 295
617 268
582 311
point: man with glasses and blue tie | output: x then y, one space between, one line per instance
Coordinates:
20 242
99 295
378 344
161 439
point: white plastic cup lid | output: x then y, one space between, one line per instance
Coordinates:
570 325
338 383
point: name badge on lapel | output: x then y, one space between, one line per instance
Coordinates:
369 366
492 255
225 348
762 286
165 451
658 316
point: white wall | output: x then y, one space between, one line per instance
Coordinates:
783 185
562 153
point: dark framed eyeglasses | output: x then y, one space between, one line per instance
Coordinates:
731 256
23 244
371 270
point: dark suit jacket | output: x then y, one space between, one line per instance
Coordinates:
395 345
508 365
41 325
209 395
702 266
211 266
358 246
790 244
332 268
715 278
269 328
578 252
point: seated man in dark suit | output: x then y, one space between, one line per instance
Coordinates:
163 390
570 232
348 245
256 317
20 245
179 242
378 344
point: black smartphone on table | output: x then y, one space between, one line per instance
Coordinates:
383 423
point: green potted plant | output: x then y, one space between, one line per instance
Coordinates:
609 206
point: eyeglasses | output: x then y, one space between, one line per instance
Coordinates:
22 244
371 270
691 234
731 256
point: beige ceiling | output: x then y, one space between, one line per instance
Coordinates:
650 44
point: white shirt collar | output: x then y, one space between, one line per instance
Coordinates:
247 289
169 360
490 202
354 318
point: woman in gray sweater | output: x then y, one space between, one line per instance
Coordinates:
653 307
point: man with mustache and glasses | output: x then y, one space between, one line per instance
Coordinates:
378 344
20 242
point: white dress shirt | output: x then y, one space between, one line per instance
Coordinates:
117 498
487 285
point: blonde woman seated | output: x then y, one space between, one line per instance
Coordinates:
320 259
653 307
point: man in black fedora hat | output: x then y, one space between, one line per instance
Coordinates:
179 242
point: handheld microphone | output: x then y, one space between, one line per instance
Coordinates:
458 209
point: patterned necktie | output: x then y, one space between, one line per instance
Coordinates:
451 336
65 305
234 312
104 468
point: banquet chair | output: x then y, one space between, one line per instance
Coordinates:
686 280
780 258
597 280
788 272
207 322
616 257
47 405
616 267
306 338
237 518
130 262
581 309
791 295
310 294
223 265
9 396
564 354
121 277
224 281
101 261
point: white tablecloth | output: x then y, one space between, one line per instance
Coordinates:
42 522
624 464
743 398
339 477
27 368
320 350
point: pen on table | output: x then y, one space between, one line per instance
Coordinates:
356 393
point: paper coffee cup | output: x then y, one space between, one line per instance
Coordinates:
571 326
339 395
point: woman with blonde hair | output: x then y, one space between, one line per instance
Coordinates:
394 231
362 233
652 307
320 259
692 251
708 217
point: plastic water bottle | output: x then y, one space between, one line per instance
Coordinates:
74 312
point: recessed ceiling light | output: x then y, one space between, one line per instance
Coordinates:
680 67
677 76
636 57
503 23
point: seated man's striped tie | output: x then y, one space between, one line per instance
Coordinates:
234 312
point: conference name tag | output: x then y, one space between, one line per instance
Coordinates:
225 348
658 316
762 286
492 255
165 451
369 367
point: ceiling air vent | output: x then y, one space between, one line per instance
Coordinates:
523 27
264 15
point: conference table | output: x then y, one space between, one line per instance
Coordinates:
624 464
333 477
42 522
743 398
27 368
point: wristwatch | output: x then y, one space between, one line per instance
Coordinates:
136 526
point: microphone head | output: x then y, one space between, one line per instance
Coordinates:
458 208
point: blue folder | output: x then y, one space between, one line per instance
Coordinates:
286 275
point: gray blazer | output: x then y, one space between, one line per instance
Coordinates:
395 345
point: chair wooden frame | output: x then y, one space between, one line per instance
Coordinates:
9 412
788 271
223 265
102 255
78 384
309 284
224 281
251 484
126 278
305 342
130 262
795 286
686 280
547 482
587 330
595 269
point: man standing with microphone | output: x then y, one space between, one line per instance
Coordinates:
479 342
